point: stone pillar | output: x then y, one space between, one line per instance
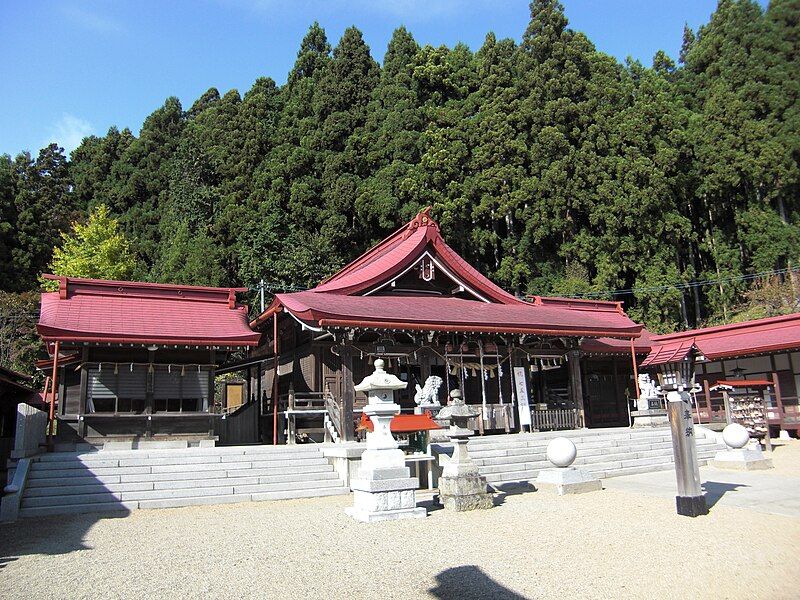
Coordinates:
576 384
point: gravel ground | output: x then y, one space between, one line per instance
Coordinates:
607 544
786 457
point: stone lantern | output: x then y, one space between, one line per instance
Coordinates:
461 487
383 488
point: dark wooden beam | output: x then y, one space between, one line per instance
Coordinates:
348 393
576 384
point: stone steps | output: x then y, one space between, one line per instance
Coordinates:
125 480
605 453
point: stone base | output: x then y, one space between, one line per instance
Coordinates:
568 480
464 492
366 516
691 506
384 494
741 460
654 417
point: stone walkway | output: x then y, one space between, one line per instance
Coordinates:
775 491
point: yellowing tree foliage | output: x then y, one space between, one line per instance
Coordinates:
96 249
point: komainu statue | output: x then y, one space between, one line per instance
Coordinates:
429 394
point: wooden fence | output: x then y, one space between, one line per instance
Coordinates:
555 419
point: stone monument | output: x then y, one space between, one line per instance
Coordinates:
461 487
383 488
738 456
564 478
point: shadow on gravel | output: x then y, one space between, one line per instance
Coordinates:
511 489
468 582
716 489
47 535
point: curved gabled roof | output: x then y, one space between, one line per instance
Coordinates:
345 299
401 250
323 309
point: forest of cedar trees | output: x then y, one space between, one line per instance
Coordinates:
551 167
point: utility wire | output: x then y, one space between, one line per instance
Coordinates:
686 286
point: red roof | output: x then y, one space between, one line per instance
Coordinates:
610 346
761 336
402 250
451 314
404 423
669 352
345 300
92 310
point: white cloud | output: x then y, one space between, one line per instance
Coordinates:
69 131
91 20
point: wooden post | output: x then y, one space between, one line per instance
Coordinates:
767 440
83 394
707 393
635 370
348 393
424 357
778 398
576 385
727 402
275 386
54 385
290 417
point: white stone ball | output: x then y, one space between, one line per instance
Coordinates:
735 435
561 452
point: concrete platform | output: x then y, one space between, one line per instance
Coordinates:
760 491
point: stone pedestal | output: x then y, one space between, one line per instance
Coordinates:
741 459
742 454
461 487
383 488
565 479
568 480
651 417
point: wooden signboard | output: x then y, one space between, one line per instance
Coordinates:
521 388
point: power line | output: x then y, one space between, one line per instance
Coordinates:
685 286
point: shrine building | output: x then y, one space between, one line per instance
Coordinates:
414 302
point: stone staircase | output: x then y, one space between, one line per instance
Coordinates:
603 452
68 482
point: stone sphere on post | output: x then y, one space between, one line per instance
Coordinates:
561 452
735 435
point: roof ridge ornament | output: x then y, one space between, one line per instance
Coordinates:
423 219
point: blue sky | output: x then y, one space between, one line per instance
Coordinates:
72 68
